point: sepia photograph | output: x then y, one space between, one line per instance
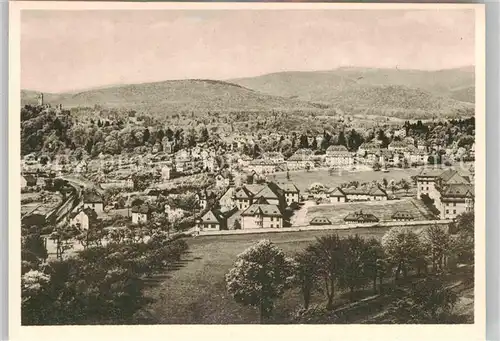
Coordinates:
199 165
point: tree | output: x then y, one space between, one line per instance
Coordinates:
306 273
328 250
405 185
237 225
437 243
353 273
464 239
429 301
304 142
403 248
260 275
341 140
374 263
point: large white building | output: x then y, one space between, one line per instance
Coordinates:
338 156
261 216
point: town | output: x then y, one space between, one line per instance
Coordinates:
229 182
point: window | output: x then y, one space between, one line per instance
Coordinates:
93 205
272 218
454 211
272 226
454 204
447 211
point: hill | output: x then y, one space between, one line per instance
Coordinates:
443 91
174 96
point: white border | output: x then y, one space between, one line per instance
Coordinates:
248 332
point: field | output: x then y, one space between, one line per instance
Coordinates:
304 179
195 293
381 209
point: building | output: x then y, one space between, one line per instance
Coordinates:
456 199
243 198
320 221
374 193
227 201
261 216
292 193
398 146
261 166
221 180
213 220
337 195
84 218
301 159
368 148
451 192
337 156
91 199
402 216
275 157
360 217
141 214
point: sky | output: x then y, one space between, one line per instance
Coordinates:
71 50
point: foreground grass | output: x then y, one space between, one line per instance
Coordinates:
196 292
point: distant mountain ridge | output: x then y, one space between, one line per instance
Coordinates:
386 91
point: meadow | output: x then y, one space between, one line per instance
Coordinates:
195 293
381 209
304 179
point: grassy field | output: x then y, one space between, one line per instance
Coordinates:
195 293
304 179
381 209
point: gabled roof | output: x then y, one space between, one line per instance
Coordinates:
458 191
142 209
267 193
289 188
337 149
337 192
92 197
261 209
402 215
243 193
253 189
320 220
261 201
211 217
361 217
377 191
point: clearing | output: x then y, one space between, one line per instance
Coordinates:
196 292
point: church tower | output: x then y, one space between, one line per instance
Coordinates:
40 99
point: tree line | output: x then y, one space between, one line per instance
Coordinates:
333 265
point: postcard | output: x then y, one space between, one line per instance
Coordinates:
242 170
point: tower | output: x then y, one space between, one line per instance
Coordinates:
40 99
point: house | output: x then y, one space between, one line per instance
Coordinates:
261 216
337 195
320 221
165 173
269 195
212 220
91 199
402 216
456 199
292 193
275 157
227 201
368 148
244 161
141 214
338 156
398 146
84 217
202 200
261 166
28 180
221 180
360 217
301 159
243 197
